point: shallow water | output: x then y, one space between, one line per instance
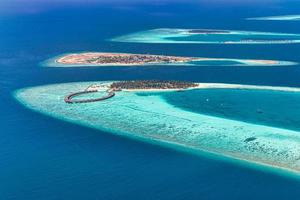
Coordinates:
150 118
272 108
279 18
234 38
183 36
45 158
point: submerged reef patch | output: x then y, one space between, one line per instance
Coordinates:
278 18
205 36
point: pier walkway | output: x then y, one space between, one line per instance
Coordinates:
69 98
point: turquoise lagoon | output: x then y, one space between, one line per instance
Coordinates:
168 35
193 120
252 105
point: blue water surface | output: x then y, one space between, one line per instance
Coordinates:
44 158
266 107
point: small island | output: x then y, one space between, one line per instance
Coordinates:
110 89
207 31
152 85
99 58
106 59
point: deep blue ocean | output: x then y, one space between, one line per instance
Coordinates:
45 158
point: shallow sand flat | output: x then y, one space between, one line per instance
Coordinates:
167 35
152 119
278 18
78 60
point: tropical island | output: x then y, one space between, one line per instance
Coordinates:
99 58
142 85
207 31
152 84
92 59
